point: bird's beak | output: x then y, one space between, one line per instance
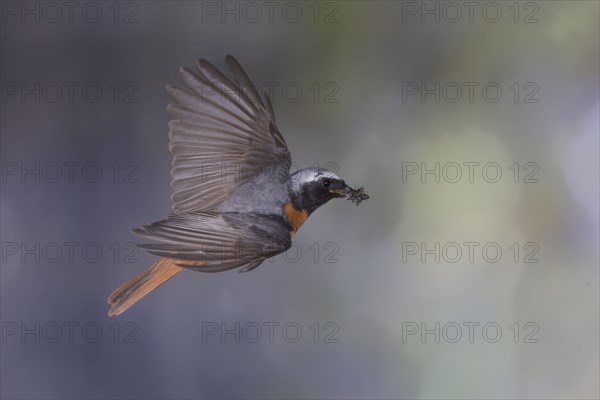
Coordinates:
341 192
354 195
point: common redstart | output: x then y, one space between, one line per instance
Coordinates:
235 201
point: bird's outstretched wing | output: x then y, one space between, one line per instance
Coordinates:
213 242
222 135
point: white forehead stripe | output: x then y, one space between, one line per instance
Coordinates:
311 175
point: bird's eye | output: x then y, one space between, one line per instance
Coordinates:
326 183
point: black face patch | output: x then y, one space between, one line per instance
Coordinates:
314 194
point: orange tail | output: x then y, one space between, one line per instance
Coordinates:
140 285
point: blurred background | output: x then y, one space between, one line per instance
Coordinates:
472 272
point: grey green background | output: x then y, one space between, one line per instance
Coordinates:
368 51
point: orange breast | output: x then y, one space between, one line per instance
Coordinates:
295 216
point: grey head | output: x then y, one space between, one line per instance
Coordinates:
312 187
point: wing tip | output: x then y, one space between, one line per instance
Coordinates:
229 58
171 89
203 63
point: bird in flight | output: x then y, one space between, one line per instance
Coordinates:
235 201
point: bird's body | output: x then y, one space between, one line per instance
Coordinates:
235 202
269 196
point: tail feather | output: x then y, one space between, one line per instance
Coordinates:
140 285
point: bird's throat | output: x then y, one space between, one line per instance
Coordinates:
295 216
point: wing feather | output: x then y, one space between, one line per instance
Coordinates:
219 124
217 239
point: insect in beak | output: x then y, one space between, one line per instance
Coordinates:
354 195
